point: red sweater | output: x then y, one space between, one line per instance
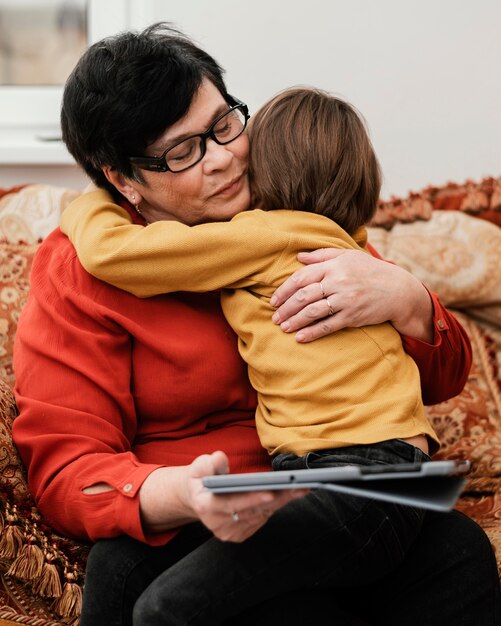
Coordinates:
110 387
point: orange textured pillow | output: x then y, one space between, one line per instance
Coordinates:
15 267
402 210
481 199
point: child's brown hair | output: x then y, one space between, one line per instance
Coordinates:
310 151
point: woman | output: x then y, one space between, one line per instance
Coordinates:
125 404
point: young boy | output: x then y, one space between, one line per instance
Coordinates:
349 397
316 180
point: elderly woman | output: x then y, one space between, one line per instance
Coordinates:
125 404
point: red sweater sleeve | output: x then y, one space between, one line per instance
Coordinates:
445 364
110 387
75 427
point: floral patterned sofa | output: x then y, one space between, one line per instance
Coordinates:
449 237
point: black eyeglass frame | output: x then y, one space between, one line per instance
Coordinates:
159 164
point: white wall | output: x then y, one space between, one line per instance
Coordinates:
426 74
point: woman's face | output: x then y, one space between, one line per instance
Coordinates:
215 189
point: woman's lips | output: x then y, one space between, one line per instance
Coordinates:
230 188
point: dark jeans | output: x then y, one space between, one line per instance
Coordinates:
323 557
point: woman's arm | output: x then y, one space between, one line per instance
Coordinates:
365 290
78 420
75 424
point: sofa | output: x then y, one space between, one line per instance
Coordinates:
449 237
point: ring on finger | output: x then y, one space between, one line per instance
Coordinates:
235 516
322 290
331 310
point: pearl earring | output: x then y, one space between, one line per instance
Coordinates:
138 210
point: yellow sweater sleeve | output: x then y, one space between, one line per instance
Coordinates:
168 256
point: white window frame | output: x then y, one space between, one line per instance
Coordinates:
38 107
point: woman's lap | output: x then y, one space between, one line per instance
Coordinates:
378 567
119 570
448 576
322 541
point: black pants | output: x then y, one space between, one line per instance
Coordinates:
322 557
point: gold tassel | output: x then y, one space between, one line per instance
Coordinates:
70 602
49 583
29 562
11 541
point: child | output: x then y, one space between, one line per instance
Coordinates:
315 178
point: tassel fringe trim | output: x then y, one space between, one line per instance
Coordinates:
24 543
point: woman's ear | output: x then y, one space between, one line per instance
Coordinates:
123 185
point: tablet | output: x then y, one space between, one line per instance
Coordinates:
433 485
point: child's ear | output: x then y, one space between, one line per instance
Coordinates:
123 185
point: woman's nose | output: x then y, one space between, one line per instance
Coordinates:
216 157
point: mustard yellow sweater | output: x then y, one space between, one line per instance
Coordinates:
357 386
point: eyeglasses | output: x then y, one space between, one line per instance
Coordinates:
188 152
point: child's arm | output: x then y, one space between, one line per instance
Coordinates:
166 256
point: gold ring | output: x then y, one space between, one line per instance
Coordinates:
322 290
235 517
331 311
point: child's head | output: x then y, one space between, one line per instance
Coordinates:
310 151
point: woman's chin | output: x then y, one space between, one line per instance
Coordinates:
231 207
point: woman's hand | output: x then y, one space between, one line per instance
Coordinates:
171 497
232 517
348 288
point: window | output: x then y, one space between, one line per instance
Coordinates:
40 42
40 45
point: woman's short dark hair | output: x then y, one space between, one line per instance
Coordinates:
310 151
126 90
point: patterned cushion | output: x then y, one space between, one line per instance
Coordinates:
41 573
454 254
15 266
30 213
